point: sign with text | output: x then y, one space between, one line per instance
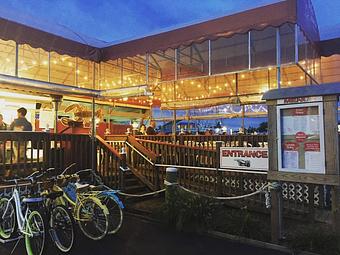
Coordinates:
249 158
301 138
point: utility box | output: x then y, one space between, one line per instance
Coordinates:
303 134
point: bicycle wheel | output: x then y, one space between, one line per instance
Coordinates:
92 217
115 213
35 234
61 228
7 218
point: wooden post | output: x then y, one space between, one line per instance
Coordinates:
218 166
276 213
171 198
336 209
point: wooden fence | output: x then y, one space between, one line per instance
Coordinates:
198 166
24 152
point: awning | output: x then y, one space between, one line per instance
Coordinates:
254 19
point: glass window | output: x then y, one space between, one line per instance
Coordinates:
193 60
287 41
134 72
263 47
256 82
84 73
229 54
110 75
62 69
165 60
33 63
7 57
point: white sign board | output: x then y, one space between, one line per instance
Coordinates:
300 131
249 158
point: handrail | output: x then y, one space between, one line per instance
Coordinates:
107 146
176 145
134 142
132 147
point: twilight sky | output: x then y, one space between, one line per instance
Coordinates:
115 20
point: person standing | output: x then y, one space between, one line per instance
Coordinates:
3 125
20 124
151 129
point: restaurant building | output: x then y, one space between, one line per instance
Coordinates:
214 69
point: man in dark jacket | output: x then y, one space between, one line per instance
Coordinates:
21 123
151 129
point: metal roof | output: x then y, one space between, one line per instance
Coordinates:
304 91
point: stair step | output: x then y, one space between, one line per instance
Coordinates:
135 189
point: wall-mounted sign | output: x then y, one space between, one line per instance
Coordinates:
249 158
301 137
299 100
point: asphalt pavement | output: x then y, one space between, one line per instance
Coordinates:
139 237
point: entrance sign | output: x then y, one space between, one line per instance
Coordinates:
249 158
301 138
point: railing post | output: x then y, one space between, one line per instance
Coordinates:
156 173
171 196
218 166
276 212
122 168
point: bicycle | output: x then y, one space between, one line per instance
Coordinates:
89 212
107 196
30 223
61 223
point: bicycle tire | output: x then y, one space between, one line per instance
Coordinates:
61 226
115 213
92 217
36 225
8 223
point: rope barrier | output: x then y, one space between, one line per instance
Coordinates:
262 189
141 195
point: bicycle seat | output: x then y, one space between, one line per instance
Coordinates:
54 195
97 188
81 187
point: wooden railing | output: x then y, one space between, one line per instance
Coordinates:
173 154
209 141
24 152
197 163
142 162
108 164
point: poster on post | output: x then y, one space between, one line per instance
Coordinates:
301 138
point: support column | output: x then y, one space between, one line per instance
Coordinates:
278 58
56 100
93 135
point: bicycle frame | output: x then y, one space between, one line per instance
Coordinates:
21 219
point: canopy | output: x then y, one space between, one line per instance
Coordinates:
54 37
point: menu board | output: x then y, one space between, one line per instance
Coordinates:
301 145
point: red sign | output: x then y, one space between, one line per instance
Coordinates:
290 146
300 137
312 146
254 153
300 111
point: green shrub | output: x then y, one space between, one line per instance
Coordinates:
314 238
188 212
